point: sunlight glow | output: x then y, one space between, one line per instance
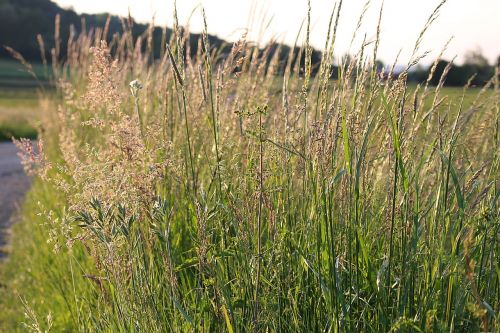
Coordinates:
474 25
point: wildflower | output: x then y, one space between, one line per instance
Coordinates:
135 86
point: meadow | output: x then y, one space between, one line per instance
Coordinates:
18 114
20 99
234 193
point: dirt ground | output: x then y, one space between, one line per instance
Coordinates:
13 184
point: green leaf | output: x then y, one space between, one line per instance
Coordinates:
228 320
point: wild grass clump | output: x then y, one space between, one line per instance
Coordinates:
232 192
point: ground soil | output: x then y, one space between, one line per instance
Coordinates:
13 185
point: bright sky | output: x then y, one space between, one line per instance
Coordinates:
473 24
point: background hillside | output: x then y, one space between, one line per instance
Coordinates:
22 20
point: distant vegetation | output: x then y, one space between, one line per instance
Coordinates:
21 21
475 68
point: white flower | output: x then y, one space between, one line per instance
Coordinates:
135 86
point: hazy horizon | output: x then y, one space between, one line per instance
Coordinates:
473 25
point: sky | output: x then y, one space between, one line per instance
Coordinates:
472 24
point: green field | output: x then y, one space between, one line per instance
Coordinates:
20 109
19 99
19 113
14 75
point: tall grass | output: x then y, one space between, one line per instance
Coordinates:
232 192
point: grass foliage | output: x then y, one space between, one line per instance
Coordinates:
233 193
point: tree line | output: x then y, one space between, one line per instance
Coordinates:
22 20
475 68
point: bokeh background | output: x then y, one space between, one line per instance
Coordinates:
471 27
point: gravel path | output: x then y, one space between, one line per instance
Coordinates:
13 184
